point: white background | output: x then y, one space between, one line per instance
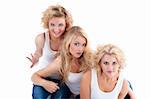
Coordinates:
125 23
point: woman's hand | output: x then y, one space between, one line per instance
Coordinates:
51 86
33 60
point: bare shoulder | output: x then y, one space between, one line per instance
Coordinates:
87 76
39 40
87 73
40 37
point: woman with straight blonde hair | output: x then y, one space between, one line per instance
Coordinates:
74 59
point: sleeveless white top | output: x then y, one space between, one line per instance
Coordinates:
48 55
73 82
97 93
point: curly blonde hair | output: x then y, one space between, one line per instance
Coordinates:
110 50
66 57
56 11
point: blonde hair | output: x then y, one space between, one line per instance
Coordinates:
110 50
66 57
56 11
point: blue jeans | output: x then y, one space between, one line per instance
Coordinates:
39 92
67 94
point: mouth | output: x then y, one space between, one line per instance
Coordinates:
57 33
79 54
109 72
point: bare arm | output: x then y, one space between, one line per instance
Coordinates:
39 42
38 77
124 90
131 93
85 92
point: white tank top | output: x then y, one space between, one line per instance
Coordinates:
73 82
48 55
97 93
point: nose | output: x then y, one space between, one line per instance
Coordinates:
110 67
56 29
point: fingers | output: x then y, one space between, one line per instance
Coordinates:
32 55
57 87
31 66
29 59
54 89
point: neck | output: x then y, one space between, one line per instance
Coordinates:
108 79
55 43
75 66
75 61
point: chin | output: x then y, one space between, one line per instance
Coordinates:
110 75
57 36
77 56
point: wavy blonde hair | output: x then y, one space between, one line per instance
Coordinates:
110 50
56 11
66 57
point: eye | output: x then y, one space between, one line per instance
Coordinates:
106 63
114 63
76 44
84 45
61 24
52 24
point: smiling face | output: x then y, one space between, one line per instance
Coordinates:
77 46
57 27
109 65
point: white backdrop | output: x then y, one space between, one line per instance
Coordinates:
125 23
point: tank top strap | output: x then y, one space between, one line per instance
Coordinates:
119 84
93 77
47 38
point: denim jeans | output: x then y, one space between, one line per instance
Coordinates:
39 92
67 94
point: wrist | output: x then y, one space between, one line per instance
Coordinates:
36 56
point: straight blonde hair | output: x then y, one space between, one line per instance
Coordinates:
66 57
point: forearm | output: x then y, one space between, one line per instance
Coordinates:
37 79
37 54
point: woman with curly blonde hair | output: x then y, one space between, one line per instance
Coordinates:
74 59
105 80
56 20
